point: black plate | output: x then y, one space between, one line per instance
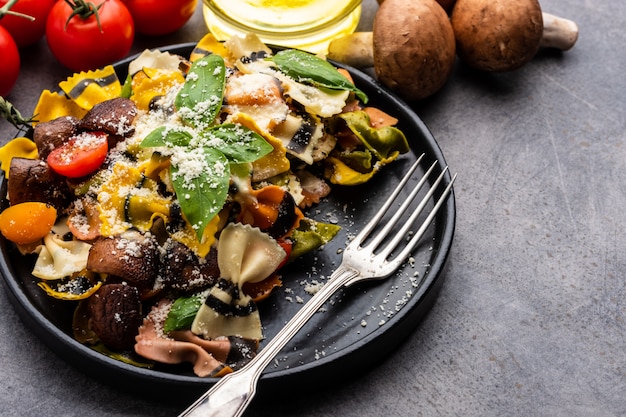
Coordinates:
360 326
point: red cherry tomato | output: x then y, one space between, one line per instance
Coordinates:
10 66
81 43
158 17
80 156
26 32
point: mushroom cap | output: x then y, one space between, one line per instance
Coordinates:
132 256
414 48
497 35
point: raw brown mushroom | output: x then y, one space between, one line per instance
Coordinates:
411 47
503 35
446 4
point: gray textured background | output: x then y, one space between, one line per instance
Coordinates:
530 319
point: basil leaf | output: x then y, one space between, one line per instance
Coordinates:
310 69
127 88
200 177
182 313
200 100
238 143
166 136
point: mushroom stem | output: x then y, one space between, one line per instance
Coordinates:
356 49
558 32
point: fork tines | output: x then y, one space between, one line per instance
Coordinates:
388 236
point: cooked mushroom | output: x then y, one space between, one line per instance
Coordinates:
411 48
115 315
183 270
131 256
114 117
34 180
501 35
52 134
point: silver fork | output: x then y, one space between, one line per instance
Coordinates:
366 257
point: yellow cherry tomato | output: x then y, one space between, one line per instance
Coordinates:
27 222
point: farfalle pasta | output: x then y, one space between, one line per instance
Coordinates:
171 239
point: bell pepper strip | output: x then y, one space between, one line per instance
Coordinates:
17 148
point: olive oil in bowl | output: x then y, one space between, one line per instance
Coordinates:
305 24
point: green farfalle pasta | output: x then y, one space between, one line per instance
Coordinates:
381 146
384 141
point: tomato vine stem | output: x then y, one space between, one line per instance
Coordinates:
84 10
13 115
6 11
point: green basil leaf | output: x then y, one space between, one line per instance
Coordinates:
238 143
166 136
310 69
201 178
200 100
127 88
182 313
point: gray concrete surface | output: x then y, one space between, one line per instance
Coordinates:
531 317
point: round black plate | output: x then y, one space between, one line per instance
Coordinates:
358 327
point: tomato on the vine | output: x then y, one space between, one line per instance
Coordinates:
10 67
28 29
84 36
80 156
158 17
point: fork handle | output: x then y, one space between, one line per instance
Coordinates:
230 396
